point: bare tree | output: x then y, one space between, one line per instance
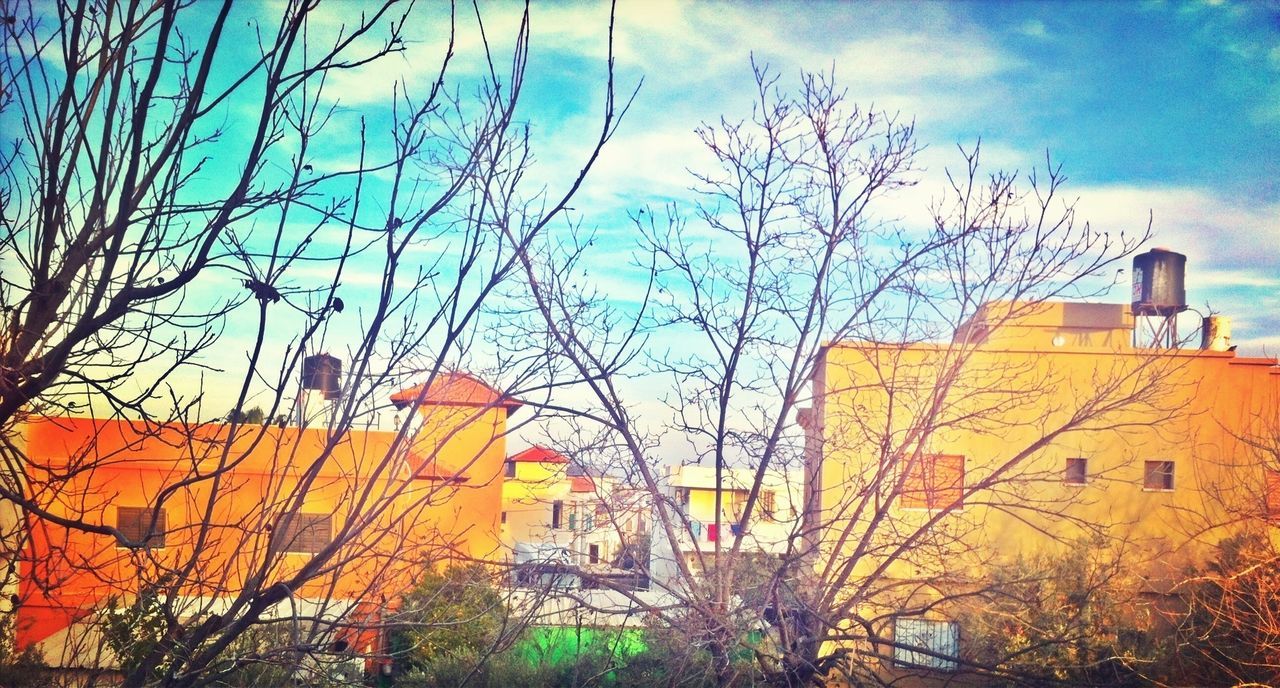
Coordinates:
784 257
188 212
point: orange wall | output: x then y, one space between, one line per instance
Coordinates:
404 506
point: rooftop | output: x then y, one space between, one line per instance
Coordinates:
456 389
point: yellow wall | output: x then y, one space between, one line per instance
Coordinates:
1019 385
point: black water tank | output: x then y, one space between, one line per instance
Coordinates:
323 372
1159 286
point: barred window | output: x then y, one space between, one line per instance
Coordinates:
1273 496
926 643
307 533
135 526
768 504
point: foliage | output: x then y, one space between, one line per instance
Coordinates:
132 631
599 658
254 416
19 669
450 617
1232 626
1073 618
263 656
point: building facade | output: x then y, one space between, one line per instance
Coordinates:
1039 429
206 515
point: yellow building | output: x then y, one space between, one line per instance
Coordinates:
554 513
1037 428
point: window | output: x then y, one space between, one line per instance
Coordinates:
935 481
1158 475
924 639
682 496
557 514
737 500
136 531
510 469
641 526
1077 472
1273 496
768 504
593 554
307 533
504 518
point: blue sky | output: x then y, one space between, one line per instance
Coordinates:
1160 110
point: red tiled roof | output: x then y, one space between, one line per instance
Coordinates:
456 389
538 455
581 483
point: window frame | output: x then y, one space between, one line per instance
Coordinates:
144 514
557 514
1271 495
300 526
768 505
908 499
1068 478
911 659
593 553
1170 481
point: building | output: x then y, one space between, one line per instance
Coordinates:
558 520
1040 427
200 514
773 529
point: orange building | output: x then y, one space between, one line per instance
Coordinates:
345 521
1038 427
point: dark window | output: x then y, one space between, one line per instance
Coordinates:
557 513
682 495
307 533
504 517
919 641
511 469
1077 472
136 530
1158 475
593 554
935 481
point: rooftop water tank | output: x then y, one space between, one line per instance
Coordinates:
323 373
1159 283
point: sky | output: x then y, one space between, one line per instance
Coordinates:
1165 112
1160 111
1170 110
